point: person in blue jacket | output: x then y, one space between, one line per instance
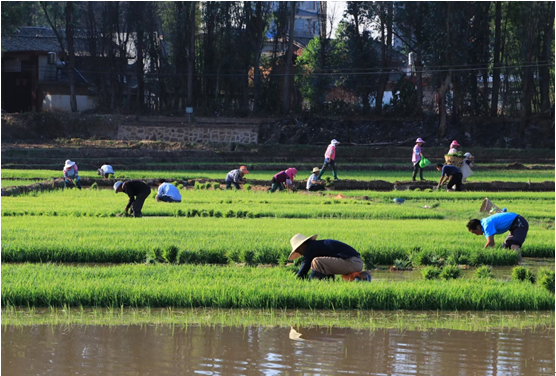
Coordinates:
452 174
498 224
167 192
324 258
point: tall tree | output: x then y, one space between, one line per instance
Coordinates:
289 59
385 15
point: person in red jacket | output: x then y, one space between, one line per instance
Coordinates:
283 179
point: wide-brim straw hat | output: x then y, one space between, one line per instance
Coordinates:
420 140
316 169
243 169
297 241
69 164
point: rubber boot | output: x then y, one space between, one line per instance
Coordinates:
317 275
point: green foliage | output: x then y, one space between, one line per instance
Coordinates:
215 186
520 273
431 272
450 272
545 278
404 99
247 187
94 186
484 272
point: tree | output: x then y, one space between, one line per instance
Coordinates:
289 59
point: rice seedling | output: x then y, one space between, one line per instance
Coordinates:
484 272
545 278
32 285
520 273
482 321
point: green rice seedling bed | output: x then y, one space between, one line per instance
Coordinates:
32 285
206 240
266 175
477 321
462 206
18 182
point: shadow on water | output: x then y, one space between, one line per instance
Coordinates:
299 350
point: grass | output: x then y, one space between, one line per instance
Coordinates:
33 285
266 175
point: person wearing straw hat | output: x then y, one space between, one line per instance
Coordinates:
313 181
283 179
137 192
499 223
71 175
330 159
453 147
416 159
236 176
324 258
105 170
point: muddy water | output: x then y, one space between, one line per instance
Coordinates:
167 350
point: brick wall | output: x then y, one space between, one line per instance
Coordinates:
199 131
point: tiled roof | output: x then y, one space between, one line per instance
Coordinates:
41 39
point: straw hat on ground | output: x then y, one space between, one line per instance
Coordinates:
297 241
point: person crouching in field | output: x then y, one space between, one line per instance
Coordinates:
236 176
105 170
325 258
71 175
498 224
313 181
137 192
450 173
167 192
283 179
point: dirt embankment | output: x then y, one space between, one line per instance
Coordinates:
307 129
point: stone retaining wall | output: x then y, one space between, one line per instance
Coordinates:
199 132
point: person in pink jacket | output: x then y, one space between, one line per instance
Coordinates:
329 159
283 179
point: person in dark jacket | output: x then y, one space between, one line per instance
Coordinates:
325 258
137 192
452 173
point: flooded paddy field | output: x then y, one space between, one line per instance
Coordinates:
163 342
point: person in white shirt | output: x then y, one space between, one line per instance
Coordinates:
167 192
105 170
313 181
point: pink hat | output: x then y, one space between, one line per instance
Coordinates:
291 172
420 140
454 143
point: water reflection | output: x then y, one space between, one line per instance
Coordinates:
172 350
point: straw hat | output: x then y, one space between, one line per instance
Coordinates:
419 140
316 169
243 169
117 185
297 241
69 164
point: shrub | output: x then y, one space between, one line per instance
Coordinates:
484 272
450 272
520 273
431 272
546 279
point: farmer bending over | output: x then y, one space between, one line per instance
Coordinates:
498 224
137 192
452 173
236 176
167 192
105 170
71 175
325 258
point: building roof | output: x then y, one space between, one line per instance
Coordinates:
42 39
